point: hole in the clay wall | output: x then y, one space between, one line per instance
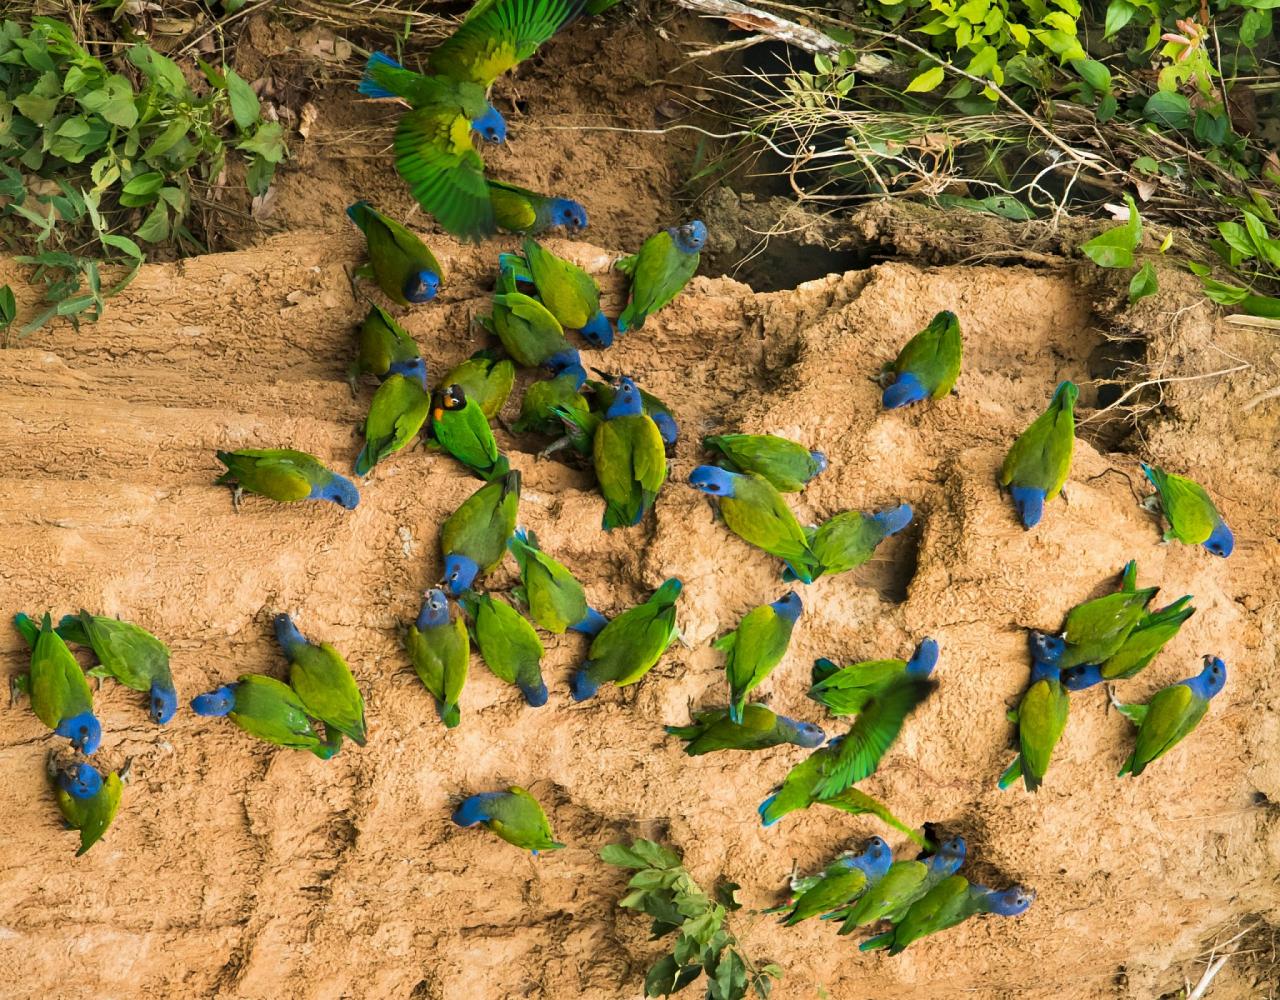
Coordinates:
783 264
893 567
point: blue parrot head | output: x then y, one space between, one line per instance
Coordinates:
80 782
806 734
83 730
598 331
287 633
491 125
714 480
691 237
789 606
220 701
568 213
1012 901
415 369
1220 542
460 573
950 856
338 489
668 429
164 702
1028 501
475 808
819 460
1212 678
893 520
1046 649
626 401
924 659
1086 675
421 286
435 610
875 858
562 361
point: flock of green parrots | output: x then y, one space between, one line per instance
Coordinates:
624 433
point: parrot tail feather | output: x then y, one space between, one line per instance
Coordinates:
535 695
1011 773
449 714
765 810
879 941
583 687
369 86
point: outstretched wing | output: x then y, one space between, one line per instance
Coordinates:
435 157
874 731
498 35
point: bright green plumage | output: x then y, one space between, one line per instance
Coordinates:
751 652
1192 515
658 273
555 598
519 819
58 687
130 654
276 473
839 885
952 901
270 710
529 333
891 897
628 647
568 292
94 815
322 679
845 541
798 787
441 656
507 643
1097 629
713 730
486 379
397 413
933 355
1170 716
460 426
542 400
1041 456
1041 717
845 690
481 525
631 466
380 343
396 256
1146 640
786 464
759 515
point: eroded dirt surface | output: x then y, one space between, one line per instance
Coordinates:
235 870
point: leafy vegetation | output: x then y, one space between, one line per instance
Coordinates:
97 157
704 944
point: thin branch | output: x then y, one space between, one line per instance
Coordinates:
1159 381
1214 968
751 19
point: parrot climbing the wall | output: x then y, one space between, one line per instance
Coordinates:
756 512
658 273
629 457
1041 715
1140 647
527 329
604 393
927 366
88 802
514 815
569 293
1037 466
269 710
1098 629
787 465
760 729
60 695
384 348
396 415
952 901
845 690
474 538
849 539
460 426
323 681
133 656
756 646
1192 516
400 263
440 650
508 645
1171 714
284 475
486 378
520 210
628 647
904 883
556 600
797 788
540 409
842 882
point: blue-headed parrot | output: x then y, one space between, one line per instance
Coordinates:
284 475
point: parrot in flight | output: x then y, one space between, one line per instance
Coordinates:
664 265
952 901
1140 647
269 710
384 348
59 691
133 656
440 649
323 681
486 378
514 815
88 802
474 537
508 645
756 512
284 475
904 883
1171 714
760 729
567 291
756 646
927 366
788 466
842 882
1037 466
399 262
1192 516
460 426
433 146
1041 715
556 600
628 647
849 539
846 690
397 413
629 457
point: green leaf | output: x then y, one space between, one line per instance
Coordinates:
655 854
1114 247
982 63
160 70
623 857
38 109
822 64
725 895
1143 283
267 141
155 227
244 102
1171 110
1146 164
1094 73
1119 13
1107 108
647 878
170 137
1258 235
1237 238
730 976
926 81
1210 129
661 980
8 307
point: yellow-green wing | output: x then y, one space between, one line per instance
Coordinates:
497 35
435 156
1192 515
1171 715
1042 716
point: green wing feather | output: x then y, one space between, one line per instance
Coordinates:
759 644
659 273
515 208
858 803
538 408
59 689
397 413
760 516
382 342
1171 714
324 682
933 355
466 435
486 379
631 466
270 710
528 331
438 162
481 525
847 690
948 903
891 897
873 732
797 789
1041 457
497 35
839 886
568 292
92 816
786 464
1191 513
518 818
508 644
845 541
1150 635
556 599
632 643
394 252
130 654
1042 717
276 473
441 657
1097 629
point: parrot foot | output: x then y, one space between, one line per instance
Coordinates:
553 447
237 495
1112 701
19 684
126 770
353 383
682 640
